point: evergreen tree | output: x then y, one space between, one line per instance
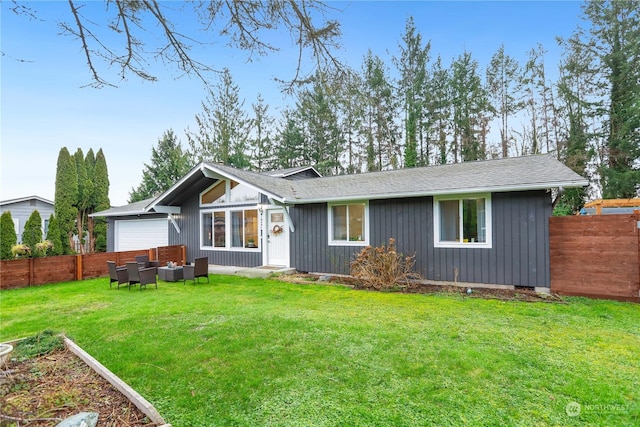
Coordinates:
610 50
615 39
504 85
470 103
379 127
53 235
32 233
351 110
223 127
439 107
8 236
317 111
574 90
412 65
101 200
90 165
168 164
291 143
66 196
261 144
85 195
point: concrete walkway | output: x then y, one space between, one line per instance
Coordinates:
260 272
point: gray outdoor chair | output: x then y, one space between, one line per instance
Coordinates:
200 268
141 276
117 274
145 263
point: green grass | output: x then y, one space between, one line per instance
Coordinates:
251 352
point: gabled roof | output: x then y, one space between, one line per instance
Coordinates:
285 173
537 172
24 199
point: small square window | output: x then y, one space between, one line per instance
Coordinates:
348 224
463 221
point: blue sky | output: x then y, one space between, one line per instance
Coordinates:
45 107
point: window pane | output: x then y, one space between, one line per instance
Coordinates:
339 215
356 222
215 195
449 221
219 229
251 228
237 230
474 221
242 194
482 220
207 228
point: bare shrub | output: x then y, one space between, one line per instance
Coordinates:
382 267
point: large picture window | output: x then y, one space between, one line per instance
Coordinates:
463 221
348 224
230 229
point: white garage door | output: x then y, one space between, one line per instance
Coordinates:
141 234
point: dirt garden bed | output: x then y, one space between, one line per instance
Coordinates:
44 390
429 288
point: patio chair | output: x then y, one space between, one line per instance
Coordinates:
141 276
200 268
144 260
117 274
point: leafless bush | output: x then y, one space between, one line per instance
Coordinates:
382 267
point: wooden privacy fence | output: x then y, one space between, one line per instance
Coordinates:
20 273
596 256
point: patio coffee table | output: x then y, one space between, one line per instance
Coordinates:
170 274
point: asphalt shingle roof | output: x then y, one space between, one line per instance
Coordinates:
510 174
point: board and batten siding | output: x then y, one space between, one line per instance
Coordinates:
519 254
189 222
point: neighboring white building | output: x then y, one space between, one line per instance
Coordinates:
22 208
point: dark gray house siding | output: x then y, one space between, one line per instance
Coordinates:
189 235
519 254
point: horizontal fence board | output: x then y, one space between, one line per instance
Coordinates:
595 256
21 273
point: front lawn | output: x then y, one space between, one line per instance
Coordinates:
252 352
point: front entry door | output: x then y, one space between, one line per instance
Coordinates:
277 238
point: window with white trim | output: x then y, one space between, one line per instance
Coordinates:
349 224
228 192
230 229
462 221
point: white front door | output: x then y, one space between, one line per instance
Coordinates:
277 238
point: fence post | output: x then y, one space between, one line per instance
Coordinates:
31 272
78 267
184 254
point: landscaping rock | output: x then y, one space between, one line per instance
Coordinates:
82 419
324 278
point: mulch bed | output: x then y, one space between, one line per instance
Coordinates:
424 288
44 390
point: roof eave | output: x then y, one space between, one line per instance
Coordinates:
123 213
444 192
204 168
